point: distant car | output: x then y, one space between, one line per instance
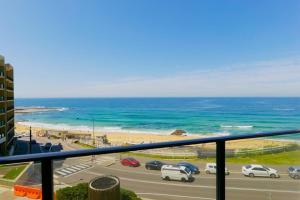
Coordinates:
194 169
55 148
175 172
154 165
211 168
47 146
259 170
131 162
294 172
33 142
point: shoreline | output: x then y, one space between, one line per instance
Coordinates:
124 137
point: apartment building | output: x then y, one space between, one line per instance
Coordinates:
6 107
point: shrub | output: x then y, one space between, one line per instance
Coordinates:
80 192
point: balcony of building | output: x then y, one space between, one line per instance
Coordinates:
82 166
9 73
2 135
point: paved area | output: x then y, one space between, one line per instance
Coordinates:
149 185
67 171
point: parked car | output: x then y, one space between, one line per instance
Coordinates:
131 162
47 146
154 165
194 169
33 142
175 172
294 172
211 168
259 170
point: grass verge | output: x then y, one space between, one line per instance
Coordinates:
283 158
14 172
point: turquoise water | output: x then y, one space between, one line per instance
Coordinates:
221 116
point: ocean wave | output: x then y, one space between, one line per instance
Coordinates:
62 109
283 109
236 126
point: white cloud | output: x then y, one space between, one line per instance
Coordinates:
276 78
268 78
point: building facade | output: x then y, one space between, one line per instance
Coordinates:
7 127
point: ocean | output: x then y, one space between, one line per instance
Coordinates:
205 116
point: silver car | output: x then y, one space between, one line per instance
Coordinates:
294 172
259 170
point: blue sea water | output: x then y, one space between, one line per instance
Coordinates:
163 115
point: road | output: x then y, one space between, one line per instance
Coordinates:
148 184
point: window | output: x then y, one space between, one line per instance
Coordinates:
259 169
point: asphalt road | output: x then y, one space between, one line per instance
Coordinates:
148 184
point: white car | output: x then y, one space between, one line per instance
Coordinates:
174 172
259 170
211 168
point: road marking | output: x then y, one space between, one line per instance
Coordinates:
65 171
79 166
71 170
61 173
76 168
204 186
212 177
171 195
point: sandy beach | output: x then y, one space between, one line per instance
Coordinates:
122 138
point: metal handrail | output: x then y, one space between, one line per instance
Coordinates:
47 158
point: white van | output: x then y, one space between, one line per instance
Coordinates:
211 168
174 172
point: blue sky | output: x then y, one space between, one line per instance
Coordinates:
73 48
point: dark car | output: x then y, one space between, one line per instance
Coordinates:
47 146
154 165
33 142
131 162
194 169
294 172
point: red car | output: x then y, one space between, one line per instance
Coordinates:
131 162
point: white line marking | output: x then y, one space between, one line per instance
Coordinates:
171 195
61 173
71 169
212 176
66 171
81 167
76 168
204 186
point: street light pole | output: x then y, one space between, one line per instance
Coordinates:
30 135
93 131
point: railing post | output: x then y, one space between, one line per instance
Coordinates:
47 179
220 189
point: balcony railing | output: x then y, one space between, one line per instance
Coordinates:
46 159
9 78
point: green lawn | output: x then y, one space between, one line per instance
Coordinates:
284 158
288 158
14 172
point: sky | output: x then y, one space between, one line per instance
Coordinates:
152 48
